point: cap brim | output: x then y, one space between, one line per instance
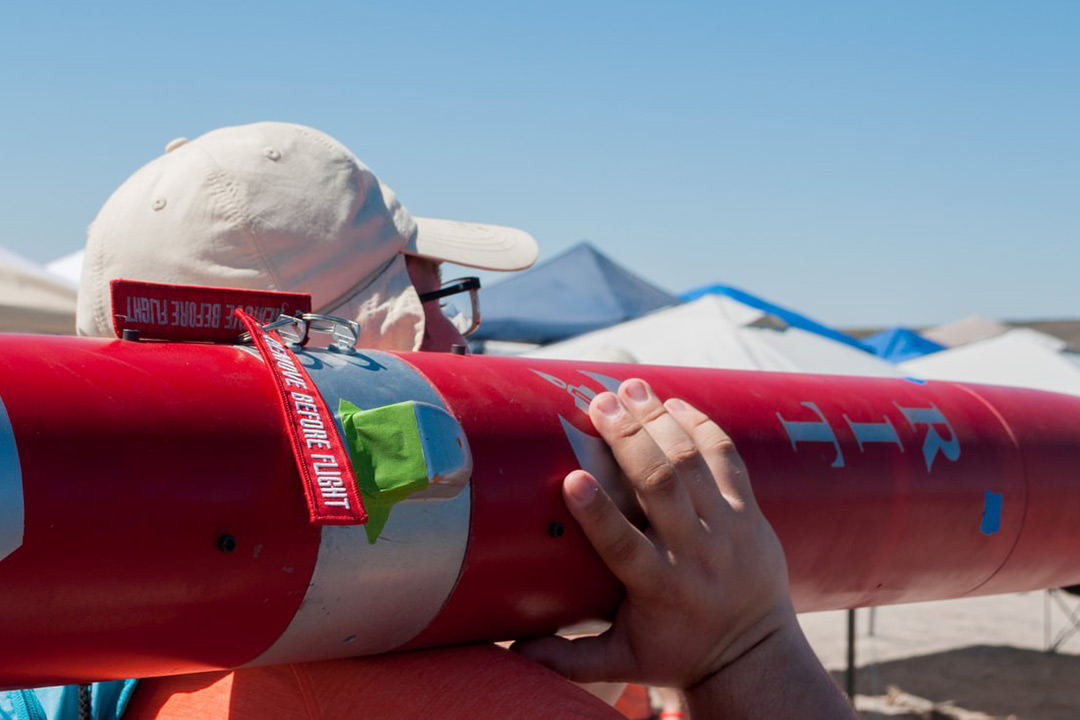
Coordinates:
488 247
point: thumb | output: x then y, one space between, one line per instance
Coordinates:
583 659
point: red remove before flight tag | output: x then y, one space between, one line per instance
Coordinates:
325 468
161 311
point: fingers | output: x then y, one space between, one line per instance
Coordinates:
583 659
717 451
670 477
624 549
674 444
622 423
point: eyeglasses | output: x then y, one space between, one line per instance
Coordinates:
464 317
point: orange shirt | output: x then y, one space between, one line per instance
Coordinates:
473 682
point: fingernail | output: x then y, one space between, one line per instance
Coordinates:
676 405
608 404
637 391
581 487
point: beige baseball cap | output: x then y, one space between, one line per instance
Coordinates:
281 207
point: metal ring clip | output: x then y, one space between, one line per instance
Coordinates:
345 332
295 331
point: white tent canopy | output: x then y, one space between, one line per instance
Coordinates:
1021 358
68 267
968 330
716 331
33 299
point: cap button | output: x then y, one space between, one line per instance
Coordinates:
173 144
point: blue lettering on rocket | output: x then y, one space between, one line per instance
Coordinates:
934 443
882 432
940 438
813 431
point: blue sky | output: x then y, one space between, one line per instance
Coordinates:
871 162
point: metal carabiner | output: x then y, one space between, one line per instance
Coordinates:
295 331
345 332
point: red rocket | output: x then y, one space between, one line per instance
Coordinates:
153 520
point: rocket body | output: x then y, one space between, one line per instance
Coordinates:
152 520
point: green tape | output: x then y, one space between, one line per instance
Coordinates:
387 457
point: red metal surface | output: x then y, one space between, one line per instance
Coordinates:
136 458
880 527
518 578
1046 427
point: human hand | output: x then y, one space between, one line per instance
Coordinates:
706 583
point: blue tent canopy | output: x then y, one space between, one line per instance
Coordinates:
791 317
575 292
899 344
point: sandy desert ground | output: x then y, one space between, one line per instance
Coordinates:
971 659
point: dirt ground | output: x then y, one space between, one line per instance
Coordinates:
971 659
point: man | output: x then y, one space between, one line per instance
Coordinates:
283 207
273 206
